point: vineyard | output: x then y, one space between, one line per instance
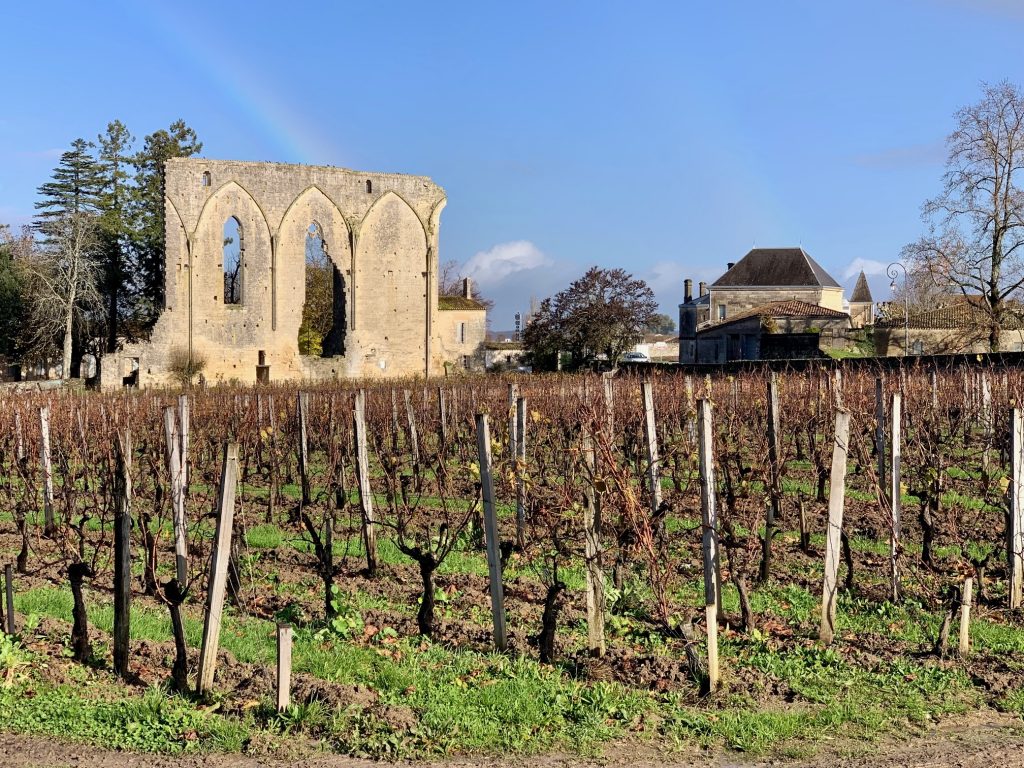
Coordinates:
760 561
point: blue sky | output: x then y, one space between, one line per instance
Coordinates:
666 138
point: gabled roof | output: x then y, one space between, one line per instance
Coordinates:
457 302
776 267
964 313
787 308
861 291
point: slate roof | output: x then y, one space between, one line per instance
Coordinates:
775 267
861 291
457 302
787 308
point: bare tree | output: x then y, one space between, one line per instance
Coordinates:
63 277
976 225
449 283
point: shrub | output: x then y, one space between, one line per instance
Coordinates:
185 367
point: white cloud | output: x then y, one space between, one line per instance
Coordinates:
870 267
504 259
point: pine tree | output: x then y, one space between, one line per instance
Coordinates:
114 160
74 188
148 207
12 291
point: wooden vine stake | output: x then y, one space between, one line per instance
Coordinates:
218 570
709 543
513 423
184 420
44 457
966 594
836 499
592 552
302 414
880 431
483 444
520 465
651 443
9 593
609 404
1015 541
775 491
442 413
122 552
365 491
414 439
284 666
174 468
895 496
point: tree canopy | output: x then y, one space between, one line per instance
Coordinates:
976 224
99 252
605 312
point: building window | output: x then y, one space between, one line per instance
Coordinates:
460 333
917 347
206 179
465 362
232 261
369 187
721 311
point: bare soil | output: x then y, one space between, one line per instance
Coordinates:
979 740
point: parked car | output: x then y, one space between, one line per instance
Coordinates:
635 357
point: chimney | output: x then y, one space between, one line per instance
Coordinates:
687 290
730 265
467 288
703 288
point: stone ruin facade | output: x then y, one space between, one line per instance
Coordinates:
380 232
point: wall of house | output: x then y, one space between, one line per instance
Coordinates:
741 299
744 339
862 313
936 341
380 232
460 337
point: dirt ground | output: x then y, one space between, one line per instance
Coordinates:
980 740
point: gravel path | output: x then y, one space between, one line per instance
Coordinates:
979 740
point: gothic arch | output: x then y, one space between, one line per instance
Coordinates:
311 206
226 323
225 189
391 284
383 199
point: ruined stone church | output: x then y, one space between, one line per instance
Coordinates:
378 231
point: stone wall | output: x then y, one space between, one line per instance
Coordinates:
740 299
942 341
380 232
461 335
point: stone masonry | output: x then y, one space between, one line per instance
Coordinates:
380 232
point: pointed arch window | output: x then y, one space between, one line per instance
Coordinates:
233 261
207 180
322 332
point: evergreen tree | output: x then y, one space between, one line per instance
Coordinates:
148 206
73 189
114 227
12 292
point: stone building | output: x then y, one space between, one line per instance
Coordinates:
766 289
862 306
462 329
241 320
780 330
954 325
